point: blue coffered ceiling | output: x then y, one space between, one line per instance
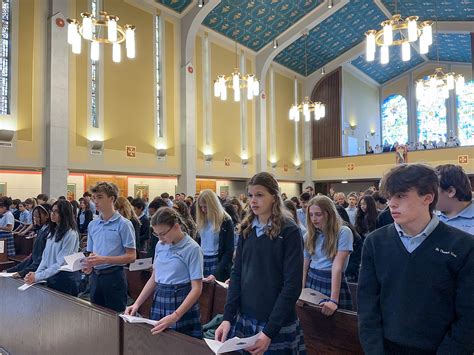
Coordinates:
452 48
443 10
176 5
383 73
256 23
333 36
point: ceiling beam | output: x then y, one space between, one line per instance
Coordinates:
266 55
461 27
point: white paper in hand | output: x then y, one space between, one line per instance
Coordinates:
73 262
230 345
7 274
223 284
141 264
133 319
26 286
311 296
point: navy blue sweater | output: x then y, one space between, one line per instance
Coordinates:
422 300
266 279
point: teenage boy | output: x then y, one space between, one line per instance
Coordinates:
455 204
301 212
87 196
111 241
139 207
415 285
352 208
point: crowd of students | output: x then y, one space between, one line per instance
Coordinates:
410 246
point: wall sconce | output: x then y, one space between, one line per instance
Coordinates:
372 132
245 161
96 145
298 167
161 153
353 126
274 164
6 135
208 158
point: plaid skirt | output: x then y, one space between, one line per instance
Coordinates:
167 299
320 280
10 244
210 265
289 341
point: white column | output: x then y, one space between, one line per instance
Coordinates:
54 181
411 105
206 90
307 141
297 144
244 153
261 132
273 157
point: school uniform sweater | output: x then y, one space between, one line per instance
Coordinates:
421 299
266 279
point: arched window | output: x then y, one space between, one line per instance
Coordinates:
465 109
431 119
395 119
5 57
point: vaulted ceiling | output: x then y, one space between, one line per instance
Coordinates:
256 23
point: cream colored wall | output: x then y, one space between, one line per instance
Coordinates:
235 187
29 76
375 165
21 185
360 106
79 181
128 101
285 154
290 188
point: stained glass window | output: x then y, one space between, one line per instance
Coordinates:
158 97
431 119
94 79
465 109
395 119
5 55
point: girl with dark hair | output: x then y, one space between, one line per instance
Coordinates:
266 279
366 216
85 217
41 222
7 222
176 281
327 247
183 210
63 240
291 207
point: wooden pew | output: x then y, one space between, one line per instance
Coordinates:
43 321
23 248
206 301
4 262
137 339
220 296
136 281
337 334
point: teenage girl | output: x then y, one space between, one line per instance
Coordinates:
216 232
366 216
176 281
63 240
266 279
328 245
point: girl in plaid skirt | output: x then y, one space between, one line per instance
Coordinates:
328 245
265 282
176 281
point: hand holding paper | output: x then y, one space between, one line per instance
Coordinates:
311 296
233 344
141 264
133 319
74 262
27 286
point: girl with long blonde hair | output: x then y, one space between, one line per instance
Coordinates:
216 236
266 279
125 208
328 245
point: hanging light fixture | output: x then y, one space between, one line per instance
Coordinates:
103 29
236 81
398 32
438 84
307 107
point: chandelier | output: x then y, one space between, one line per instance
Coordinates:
103 29
438 85
307 107
399 32
236 81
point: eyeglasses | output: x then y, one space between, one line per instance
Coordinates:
161 235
